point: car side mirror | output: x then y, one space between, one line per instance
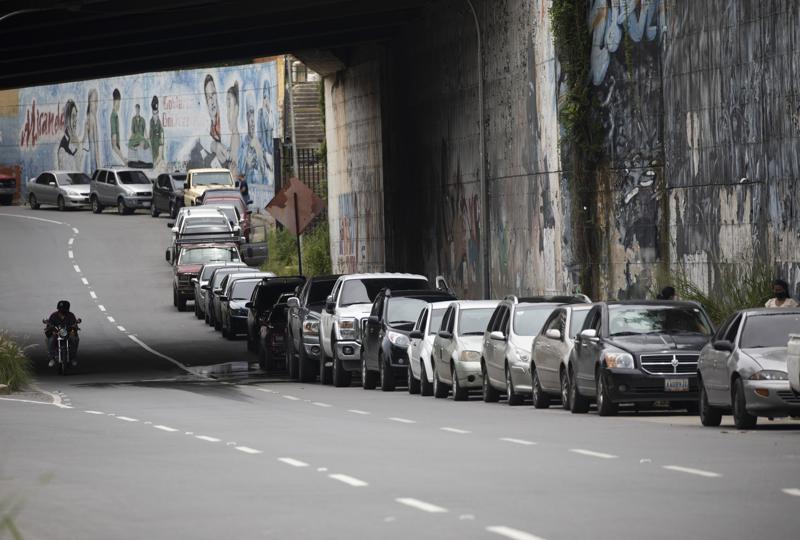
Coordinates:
194 281
498 335
589 333
168 256
186 185
444 334
205 287
79 321
553 333
248 305
223 298
416 334
249 212
373 320
330 305
218 292
723 345
293 302
44 321
170 224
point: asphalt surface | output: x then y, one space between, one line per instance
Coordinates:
149 439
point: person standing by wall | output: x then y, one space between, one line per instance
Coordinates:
90 135
232 102
156 135
781 299
137 143
68 154
115 140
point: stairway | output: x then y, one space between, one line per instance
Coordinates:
308 116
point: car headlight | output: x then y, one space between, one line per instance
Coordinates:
397 339
470 356
71 193
618 360
769 375
311 327
348 328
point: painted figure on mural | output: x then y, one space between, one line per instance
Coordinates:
69 149
208 151
90 135
156 135
138 145
265 123
233 125
115 140
252 167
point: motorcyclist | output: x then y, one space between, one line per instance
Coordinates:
62 317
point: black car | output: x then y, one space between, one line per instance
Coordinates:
168 194
384 355
213 291
272 335
264 297
637 352
302 329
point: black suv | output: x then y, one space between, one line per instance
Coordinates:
263 299
302 330
637 352
168 194
384 355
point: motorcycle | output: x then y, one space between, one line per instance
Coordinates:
63 333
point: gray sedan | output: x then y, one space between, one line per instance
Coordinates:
743 369
65 189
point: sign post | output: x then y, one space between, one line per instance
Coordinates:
295 207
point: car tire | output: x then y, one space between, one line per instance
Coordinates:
741 418
181 303
197 312
605 407
413 383
174 297
33 201
96 206
564 381
62 204
153 210
267 361
440 390
490 393
291 360
369 380
540 399
459 393
425 387
512 398
121 208
325 372
341 378
250 344
386 375
304 371
709 416
578 404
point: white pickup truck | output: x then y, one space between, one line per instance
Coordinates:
341 321
198 181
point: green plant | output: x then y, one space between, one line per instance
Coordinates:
15 366
282 254
317 251
11 505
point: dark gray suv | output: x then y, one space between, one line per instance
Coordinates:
127 189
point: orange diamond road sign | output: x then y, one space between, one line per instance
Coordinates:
282 206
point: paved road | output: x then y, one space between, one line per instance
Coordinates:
135 446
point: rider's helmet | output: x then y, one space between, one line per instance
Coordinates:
63 306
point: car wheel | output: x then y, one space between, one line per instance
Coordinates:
181 302
121 209
425 387
440 391
174 297
291 360
62 204
153 209
325 375
459 393
368 379
386 375
564 389
413 382
304 371
540 399
741 418
96 206
268 362
33 202
605 407
709 416
578 404
490 393
197 312
341 378
512 397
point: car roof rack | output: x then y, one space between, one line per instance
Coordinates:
430 293
557 299
208 238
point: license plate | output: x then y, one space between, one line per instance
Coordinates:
277 338
145 204
676 385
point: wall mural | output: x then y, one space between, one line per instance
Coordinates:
222 117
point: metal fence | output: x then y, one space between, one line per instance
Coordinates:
312 169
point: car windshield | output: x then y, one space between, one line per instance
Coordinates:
404 310
133 177
473 321
207 254
229 211
528 320
637 320
73 179
364 291
575 325
207 271
242 290
436 320
219 275
769 330
209 178
319 291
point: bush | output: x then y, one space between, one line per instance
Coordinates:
15 366
282 255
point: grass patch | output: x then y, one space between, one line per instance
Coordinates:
15 366
282 257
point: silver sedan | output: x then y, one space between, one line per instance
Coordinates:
64 189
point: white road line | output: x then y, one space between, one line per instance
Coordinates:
70 254
421 505
34 218
794 492
71 241
517 441
94 412
292 398
85 281
127 419
455 430
121 328
111 319
514 534
77 268
248 450
76 231
93 295
319 404
55 397
349 480
267 390
293 462
207 438
35 402
688 470
592 453
149 349
101 307
401 420
357 411
166 428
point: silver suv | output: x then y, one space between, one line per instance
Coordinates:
127 189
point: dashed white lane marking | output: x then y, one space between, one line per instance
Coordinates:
35 402
71 241
94 412
794 492
688 470
207 438
517 441
349 480
592 453
56 399
248 450
93 295
320 404
111 319
357 411
121 328
77 268
401 420
76 231
166 428
34 218
293 462
421 505
292 398
455 430
322 469
101 307
151 350
514 534
267 390
85 281
70 254
127 419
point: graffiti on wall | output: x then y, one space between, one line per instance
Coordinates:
221 117
348 232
